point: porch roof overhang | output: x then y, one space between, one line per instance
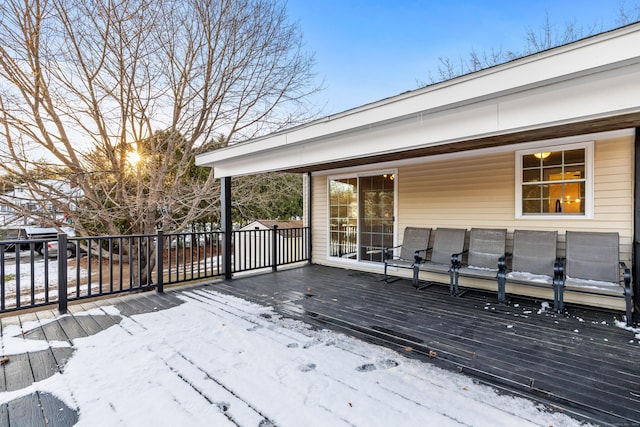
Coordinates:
589 86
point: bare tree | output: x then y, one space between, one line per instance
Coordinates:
123 94
628 13
535 40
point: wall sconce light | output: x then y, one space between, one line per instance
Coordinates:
542 155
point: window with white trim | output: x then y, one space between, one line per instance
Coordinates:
555 182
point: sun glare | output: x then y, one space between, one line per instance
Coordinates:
133 158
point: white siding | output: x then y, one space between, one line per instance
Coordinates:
479 191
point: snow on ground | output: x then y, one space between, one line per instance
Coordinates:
43 273
218 360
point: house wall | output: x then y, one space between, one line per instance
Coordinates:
478 190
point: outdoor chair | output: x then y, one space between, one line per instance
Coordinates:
532 262
414 239
592 266
439 257
486 246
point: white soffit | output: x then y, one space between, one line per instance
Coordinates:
592 78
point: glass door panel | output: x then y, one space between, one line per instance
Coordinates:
343 217
376 206
361 217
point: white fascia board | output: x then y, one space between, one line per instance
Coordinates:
594 96
443 101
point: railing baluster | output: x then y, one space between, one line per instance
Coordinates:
274 248
120 267
62 273
110 265
32 268
251 250
160 261
2 278
45 252
18 263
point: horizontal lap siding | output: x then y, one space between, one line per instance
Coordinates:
469 192
613 188
320 221
479 191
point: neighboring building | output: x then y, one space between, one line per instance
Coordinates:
28 202
254 241
550 141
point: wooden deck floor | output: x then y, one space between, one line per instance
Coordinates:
580 364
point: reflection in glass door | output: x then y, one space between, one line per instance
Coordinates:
343 218
361 216
376 200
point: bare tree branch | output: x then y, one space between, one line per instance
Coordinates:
86 83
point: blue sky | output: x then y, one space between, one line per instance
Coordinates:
367 50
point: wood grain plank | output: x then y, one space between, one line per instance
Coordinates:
4 415
56 412
25 411
43 364
18 372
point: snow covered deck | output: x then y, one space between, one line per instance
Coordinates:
202 356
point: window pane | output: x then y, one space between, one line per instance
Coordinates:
531 192
531 207
530 161
554 159
574 172
552 174
574 157
531 175
573 198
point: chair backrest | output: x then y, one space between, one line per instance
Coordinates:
414 239
534 251
486 246
448 241
593 256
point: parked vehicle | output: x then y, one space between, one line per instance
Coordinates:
53 249
36 236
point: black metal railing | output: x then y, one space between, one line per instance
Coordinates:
269 248
39 272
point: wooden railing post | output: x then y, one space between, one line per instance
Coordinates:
160 261
274 248
62 273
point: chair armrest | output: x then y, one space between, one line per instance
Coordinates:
387 251
558 269
456 259
502 261
628 296
417 256
626 275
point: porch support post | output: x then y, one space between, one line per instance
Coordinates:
309 210
636 229
227 224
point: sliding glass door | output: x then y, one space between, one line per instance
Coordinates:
361 216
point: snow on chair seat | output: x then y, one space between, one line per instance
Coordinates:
486 247
532 262
592 266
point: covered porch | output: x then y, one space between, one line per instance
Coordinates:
548 142
583 365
